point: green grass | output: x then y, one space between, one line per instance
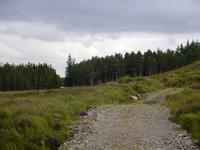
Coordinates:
39 120
185 110
29 119
142 85
185 105
188 76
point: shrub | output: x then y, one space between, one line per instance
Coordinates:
125 79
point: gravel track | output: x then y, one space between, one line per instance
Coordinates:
137 126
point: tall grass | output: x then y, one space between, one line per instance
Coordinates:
40 119
185 109
185 105
188 76
142 85
36 120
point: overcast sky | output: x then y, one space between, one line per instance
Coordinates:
48 30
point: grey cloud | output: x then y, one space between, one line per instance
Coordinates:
85 28
103 16
32 30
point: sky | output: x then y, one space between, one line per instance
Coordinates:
49 30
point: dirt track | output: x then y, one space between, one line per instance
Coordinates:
138 126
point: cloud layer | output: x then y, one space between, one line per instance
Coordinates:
48 30
107 16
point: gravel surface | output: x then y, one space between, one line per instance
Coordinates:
137 126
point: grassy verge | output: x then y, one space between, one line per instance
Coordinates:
40 119
185 105
185 110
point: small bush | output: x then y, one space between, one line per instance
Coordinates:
3 115
125 79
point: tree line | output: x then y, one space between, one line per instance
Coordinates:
97 69
28 77
110 68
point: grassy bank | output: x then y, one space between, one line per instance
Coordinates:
185 110
39 119
185 77
185 105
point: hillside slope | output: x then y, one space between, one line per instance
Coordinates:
41 119
188 76
184 105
